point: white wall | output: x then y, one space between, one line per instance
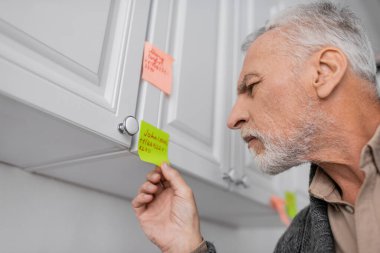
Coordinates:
43 215
39 214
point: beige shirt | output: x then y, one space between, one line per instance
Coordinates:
355 228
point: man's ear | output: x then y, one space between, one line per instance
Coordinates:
331 65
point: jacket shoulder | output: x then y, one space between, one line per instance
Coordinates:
292 239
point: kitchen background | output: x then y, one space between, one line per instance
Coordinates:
71 74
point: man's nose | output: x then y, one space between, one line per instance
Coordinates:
238 117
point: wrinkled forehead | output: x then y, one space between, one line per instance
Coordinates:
267 44
268 48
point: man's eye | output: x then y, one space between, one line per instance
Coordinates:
251 88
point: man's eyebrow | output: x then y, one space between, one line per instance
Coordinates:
242 86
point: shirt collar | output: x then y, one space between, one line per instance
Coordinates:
372 151
323 187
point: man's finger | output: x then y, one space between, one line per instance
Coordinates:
155 175
140 201
175 180
149 188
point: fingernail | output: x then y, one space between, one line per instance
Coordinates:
165 166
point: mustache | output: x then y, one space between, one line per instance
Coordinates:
248 134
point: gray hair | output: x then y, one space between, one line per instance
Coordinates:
309 27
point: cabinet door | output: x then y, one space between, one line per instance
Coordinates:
78 60
253 15
198 34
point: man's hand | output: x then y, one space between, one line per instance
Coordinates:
167 212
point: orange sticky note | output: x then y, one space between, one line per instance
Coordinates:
279 205
157 68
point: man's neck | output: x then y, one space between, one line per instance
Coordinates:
342 161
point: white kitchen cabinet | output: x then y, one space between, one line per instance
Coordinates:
260 187
194 115
251 15
199 35
78 61
72 71
71 74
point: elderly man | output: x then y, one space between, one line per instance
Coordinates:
307 93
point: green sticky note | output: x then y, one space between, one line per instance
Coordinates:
291 204
153 144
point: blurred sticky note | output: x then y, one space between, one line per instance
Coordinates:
157 68
279 205
153 144
291 204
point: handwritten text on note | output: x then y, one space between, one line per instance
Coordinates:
153 144
157 67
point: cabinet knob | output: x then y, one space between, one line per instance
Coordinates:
243 181
230 176
129 126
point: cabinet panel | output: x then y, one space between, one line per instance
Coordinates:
76 29
78 60
188 114
192 103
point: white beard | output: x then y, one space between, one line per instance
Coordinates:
281 154
285 150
